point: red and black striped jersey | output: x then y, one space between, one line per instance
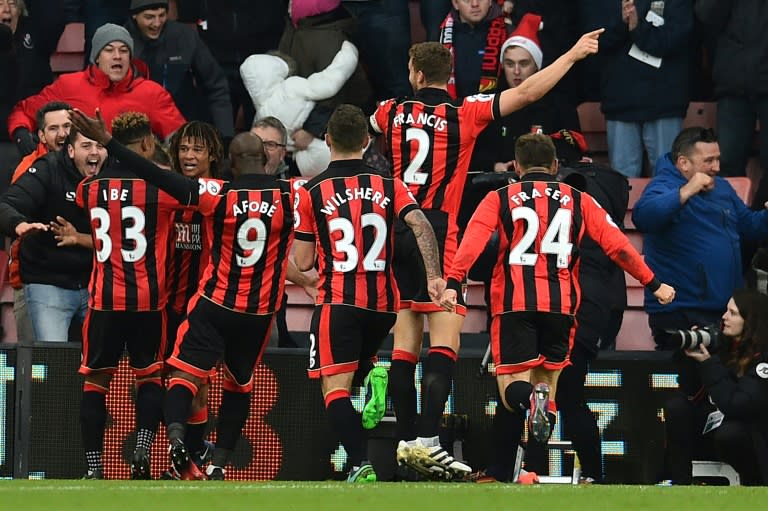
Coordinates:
130 224
430 139
541 223
349 212
188 256
251 225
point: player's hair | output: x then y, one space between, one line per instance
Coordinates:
275 123
200 132
433 59
687 139
51 106
348 129
131 127
534 150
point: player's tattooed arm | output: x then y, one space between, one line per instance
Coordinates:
425 238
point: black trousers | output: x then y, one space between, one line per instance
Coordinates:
732 442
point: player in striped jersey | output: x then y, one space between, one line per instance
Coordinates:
344 219
130 222
195 151
535 288
231 315
430 140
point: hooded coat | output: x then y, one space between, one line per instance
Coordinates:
292 98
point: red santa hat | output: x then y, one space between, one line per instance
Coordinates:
525 36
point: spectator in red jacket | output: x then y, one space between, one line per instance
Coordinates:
110 82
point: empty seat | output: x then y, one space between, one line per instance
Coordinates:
701 114
635 334
592 124
69 55
743 188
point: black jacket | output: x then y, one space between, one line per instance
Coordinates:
741 48
45 191
180 62
236 29
632 91
25 66
743 399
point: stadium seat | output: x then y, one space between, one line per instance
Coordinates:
635 334
636 187
592 124
300 309
635 292
701 114
743 188
7 318
69 55
636 238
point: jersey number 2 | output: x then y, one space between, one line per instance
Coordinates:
413 174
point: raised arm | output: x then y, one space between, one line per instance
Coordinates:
542 82
182 188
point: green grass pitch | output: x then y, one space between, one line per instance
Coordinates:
336 496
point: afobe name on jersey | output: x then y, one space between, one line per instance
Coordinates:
520 197
422 119
245 206
358 193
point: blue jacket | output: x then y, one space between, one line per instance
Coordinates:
695 247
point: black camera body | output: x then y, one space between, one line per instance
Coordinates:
709 336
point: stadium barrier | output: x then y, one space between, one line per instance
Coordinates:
287 437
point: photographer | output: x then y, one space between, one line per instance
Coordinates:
728 420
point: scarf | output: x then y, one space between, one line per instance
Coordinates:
489 77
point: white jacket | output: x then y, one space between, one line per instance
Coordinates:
292 98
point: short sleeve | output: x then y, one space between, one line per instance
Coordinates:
405 202
210 195
378 121
480 110
303 215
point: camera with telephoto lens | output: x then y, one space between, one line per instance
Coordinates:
709 336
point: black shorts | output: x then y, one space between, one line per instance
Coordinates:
343 335
408 264
107 334
211 333
523 340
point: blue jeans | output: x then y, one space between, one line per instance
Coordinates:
736 117
384 37
51 310
626 141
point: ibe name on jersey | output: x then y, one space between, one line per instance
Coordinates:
109 194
